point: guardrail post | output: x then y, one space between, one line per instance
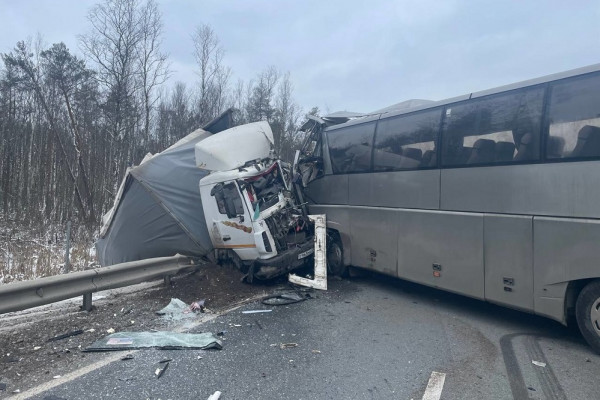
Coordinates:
87 302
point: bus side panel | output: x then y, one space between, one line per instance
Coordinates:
374 239
454 241
329 189
565 249
552 189
508 252
338 219
409 189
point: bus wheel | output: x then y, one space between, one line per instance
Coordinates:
587 310
335 257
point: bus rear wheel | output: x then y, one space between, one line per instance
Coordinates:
587 311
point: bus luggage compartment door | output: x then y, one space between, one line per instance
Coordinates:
509 260
442 249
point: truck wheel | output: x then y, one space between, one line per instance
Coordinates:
587 311
335 257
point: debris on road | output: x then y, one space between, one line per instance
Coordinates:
177 310
215 396
221 333
127 357
159 340
36 348
538 363
283 299
2 386
255 311
160 371
166 360
288 345
66 335
317 351
110 330
197 306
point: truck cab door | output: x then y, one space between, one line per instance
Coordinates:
232 226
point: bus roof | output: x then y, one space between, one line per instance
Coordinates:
393 110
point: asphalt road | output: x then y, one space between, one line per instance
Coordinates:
371 338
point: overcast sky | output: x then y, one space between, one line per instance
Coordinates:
356 55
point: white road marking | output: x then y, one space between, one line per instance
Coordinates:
433 391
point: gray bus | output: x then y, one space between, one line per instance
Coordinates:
494 195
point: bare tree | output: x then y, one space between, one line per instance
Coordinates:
112 44
24 61
153 63
214 78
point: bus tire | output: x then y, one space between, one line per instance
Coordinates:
587 311
335 256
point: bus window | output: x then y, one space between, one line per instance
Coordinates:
574 115
407 141
350 148
501 129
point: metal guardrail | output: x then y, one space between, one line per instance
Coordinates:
23 295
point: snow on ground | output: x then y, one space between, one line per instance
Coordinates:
27 254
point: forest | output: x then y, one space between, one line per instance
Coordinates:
73 120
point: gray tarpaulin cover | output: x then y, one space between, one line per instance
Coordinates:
158 211
160 340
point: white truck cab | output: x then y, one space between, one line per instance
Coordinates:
252 215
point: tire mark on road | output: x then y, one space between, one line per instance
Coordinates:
550 386
513 371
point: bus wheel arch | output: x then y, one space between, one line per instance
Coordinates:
587 312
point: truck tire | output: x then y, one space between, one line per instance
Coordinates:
587 311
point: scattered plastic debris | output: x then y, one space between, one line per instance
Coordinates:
197 306
538 363
127 357
317 351
166 360
16 391
36 348
255 311
160 340
56 377
215 396
177 310
530 388
160 371
288 345
110 330
91 330
66 335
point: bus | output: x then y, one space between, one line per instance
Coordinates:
493 195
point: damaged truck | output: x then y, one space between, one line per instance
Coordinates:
220 196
